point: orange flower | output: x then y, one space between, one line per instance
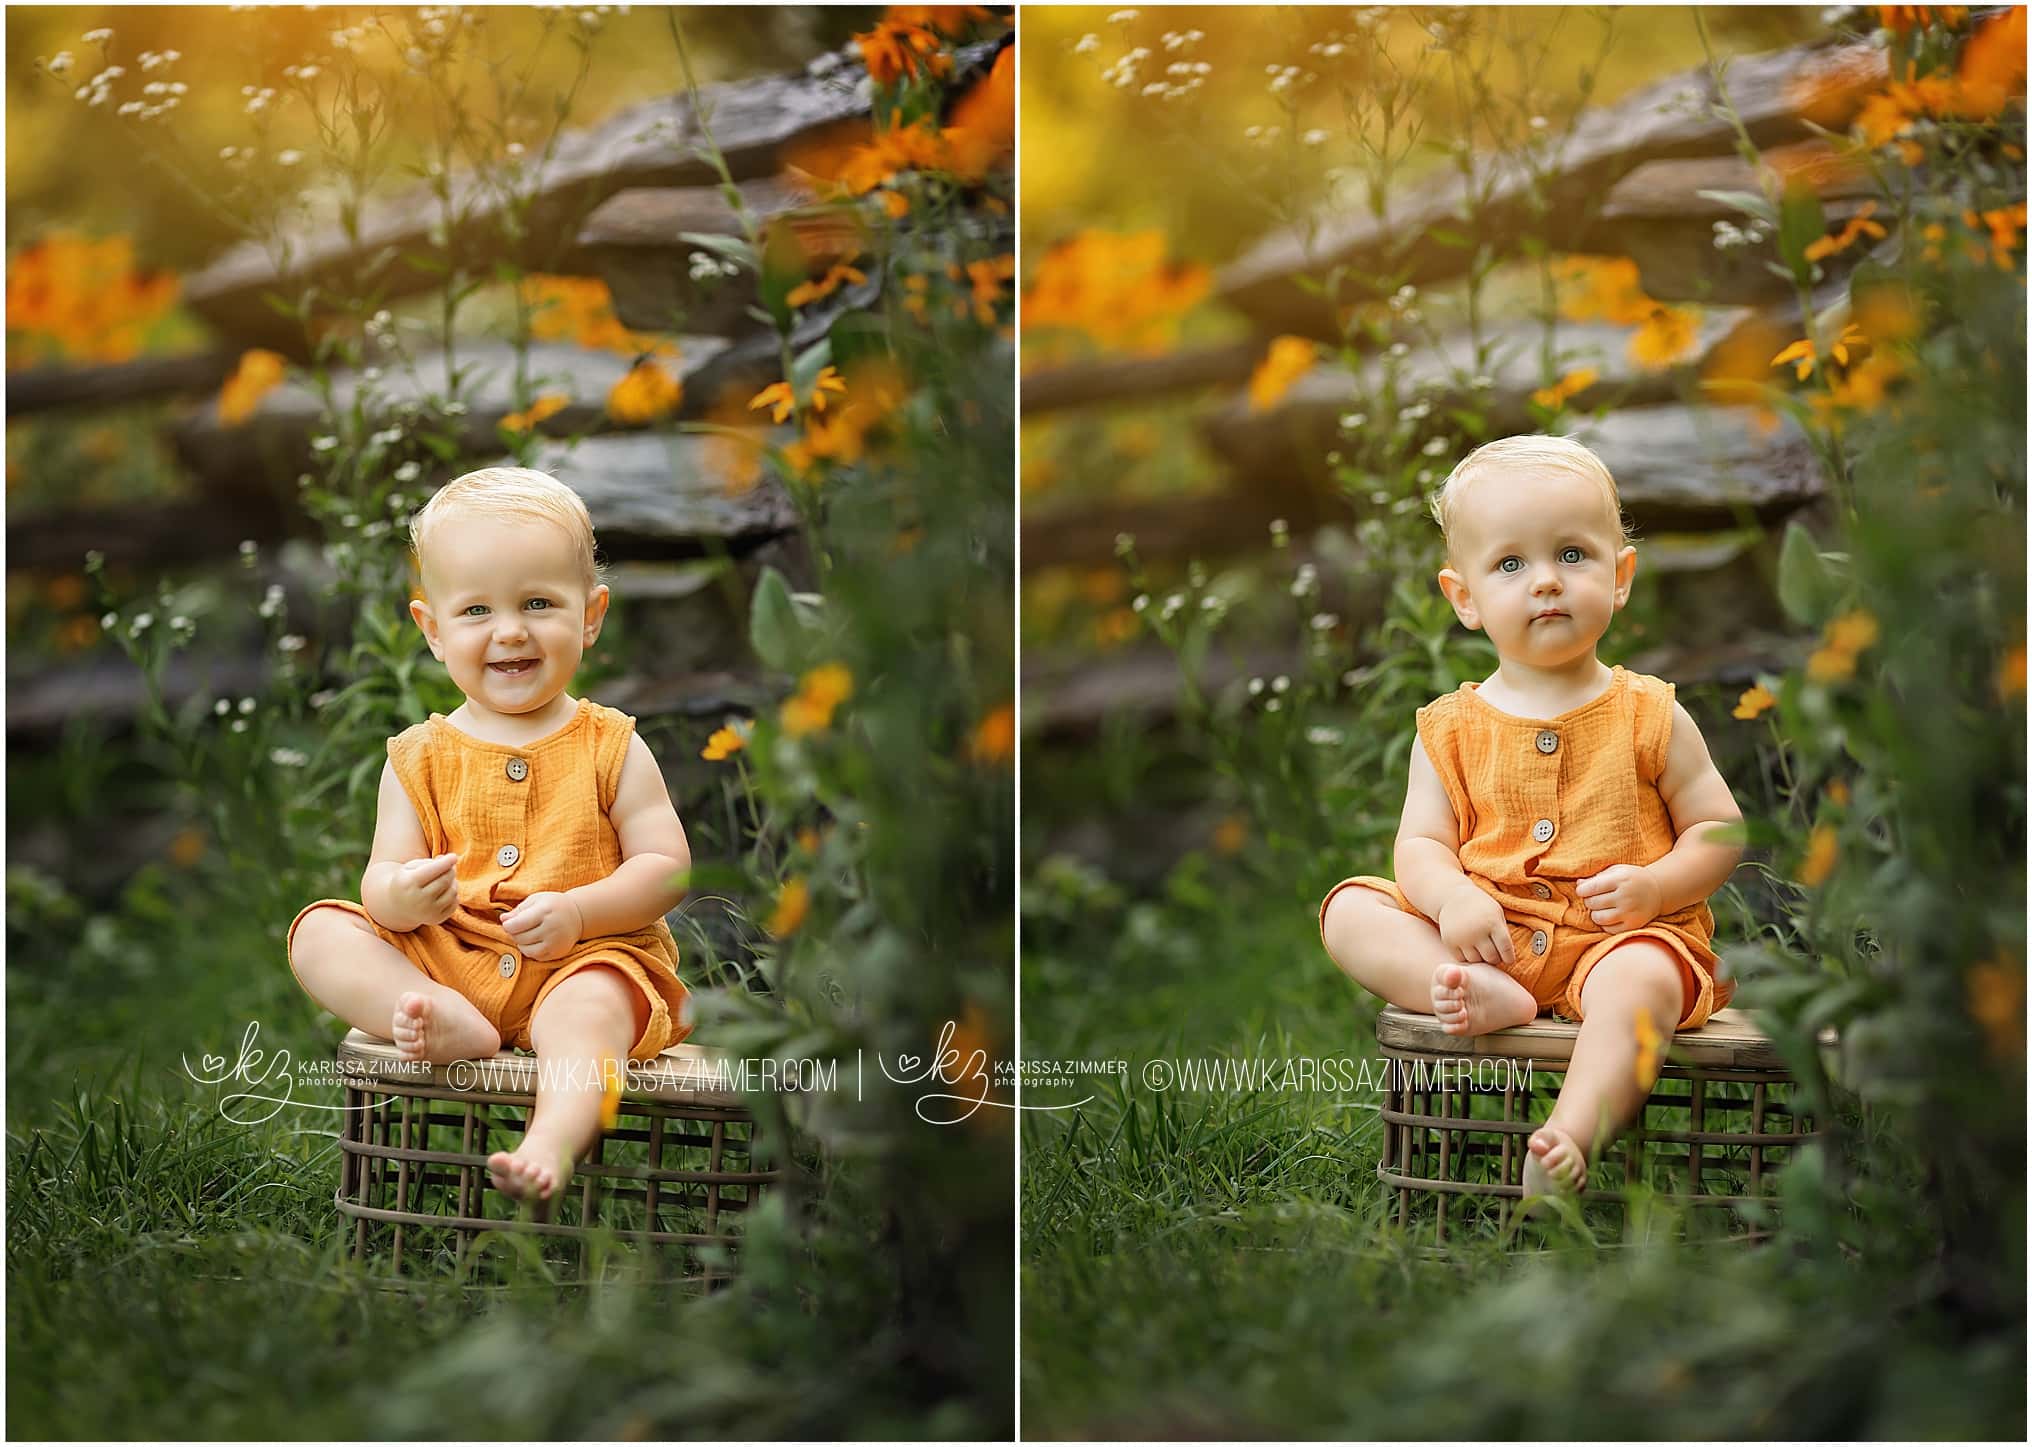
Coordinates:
1822 851
259 372
645 394
548 405
735 454
1571 385
793 903
1843 641
75 299
187 847
1604 287
989 278
1231 834
1666 336
1802 355
1838 793
724 744
949 20
899 148
994 738
778 395
983 130
1649 1041
1858 225
1992 69
819 693
808 292
1288 359
898 49
1118 290
581 309
1755 700
1996 1001
827 381
2011 674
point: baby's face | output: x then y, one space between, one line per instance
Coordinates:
507 610
1538 561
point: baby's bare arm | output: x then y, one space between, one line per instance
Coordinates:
1702 808
1428 840
392 900
654 852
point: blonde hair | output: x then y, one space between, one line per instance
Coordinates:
1525 450
509 492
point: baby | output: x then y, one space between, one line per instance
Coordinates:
526 849
1564 825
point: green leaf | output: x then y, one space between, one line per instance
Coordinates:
1801 222
773 629
1448 238
1747 202
1810 582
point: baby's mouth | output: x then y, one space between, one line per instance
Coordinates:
513 666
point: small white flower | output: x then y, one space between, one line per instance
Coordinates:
1280 684
288 158
1325 622
1273 705
1122 17
452 409
222 707
99 36
1322 735
1255 687
408 472
290 643
323 697
129 108
108 622
246 706
323 444
239 726
60 63
288 758
1538 123
1351 421
1314 138
1087 44
1141 602
1399 349
1434 448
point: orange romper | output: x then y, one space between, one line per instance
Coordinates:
523 820
1541 804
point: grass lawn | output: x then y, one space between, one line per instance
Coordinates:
1218 1264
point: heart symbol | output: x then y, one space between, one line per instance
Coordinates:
215 1065
908 1065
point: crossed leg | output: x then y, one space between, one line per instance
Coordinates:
350 970
1603 1091
1402 958
582 1030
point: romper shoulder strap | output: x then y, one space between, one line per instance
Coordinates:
612 730
1440 729
1651 702
410 752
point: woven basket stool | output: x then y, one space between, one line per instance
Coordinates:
678 1169
1723 1115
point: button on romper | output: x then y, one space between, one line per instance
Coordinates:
524 819
1541 804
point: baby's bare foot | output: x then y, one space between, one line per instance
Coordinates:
1555 1165
530 1175
1475 999
425 1030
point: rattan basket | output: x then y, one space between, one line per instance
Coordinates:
679 1170
1723 1117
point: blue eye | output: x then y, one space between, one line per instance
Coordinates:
537 603
472 608
1571 555
1504 566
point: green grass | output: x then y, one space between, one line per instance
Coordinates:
1221 1265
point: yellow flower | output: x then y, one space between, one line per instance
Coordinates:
724 744
1845 638
1838 793
1821 853
645 394
610 1097
548 405
1119 290
994 738
828 380
1648 1042
780 396
1572 384
793 903
259 372
187 847
2011 674
1231 834
1666 336
1288 359
819 693
808 292
1754 701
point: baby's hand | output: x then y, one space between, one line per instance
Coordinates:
544 926
1472 926
1622 897
427 889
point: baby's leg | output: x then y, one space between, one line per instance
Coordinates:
1402 958
581 1031
365 981
1603 1092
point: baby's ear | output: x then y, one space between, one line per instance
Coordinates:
596 612
1456 589
427 621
